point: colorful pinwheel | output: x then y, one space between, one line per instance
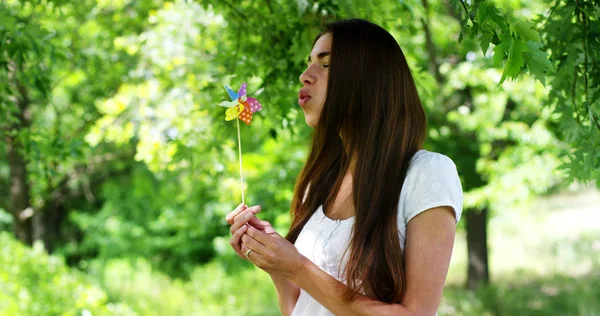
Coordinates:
240 106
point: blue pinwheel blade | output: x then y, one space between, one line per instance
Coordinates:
232 94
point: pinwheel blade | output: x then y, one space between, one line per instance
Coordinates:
232 95
242 90
229 104
246 116
233 112
254 105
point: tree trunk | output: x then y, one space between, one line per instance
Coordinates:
47 225
434 67
39 229
20 206
477 250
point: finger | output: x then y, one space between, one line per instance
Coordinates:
259 236
243 250
254 209
235 240
229 218
254 256
262 225
240 220
270 230
250 256
253 243
259 224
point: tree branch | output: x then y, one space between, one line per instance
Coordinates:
234 9
95 164
433 66
450 10
270 6
573 97
468 13
585 22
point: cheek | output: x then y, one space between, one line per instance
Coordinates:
323 87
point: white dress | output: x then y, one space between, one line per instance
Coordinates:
431 181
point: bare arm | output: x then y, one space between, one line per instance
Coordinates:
429 242
287 294
430 237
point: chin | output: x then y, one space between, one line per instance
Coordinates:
310 123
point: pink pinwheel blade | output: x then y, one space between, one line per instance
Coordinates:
254 105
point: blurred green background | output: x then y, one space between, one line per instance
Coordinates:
117 167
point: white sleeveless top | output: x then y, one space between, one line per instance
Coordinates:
431 181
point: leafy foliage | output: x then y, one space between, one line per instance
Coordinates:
33 283
571 31
517 44
129 157
564 49
212 289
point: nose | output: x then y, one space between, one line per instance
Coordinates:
307 78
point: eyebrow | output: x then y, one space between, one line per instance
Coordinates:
319 56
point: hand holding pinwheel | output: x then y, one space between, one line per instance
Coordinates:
240 107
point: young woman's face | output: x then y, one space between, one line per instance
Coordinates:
314 80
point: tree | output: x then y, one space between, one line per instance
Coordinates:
519 47
51 57
569 29
112 129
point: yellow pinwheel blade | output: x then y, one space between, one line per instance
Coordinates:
233 112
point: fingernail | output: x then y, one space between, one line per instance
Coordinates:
247 216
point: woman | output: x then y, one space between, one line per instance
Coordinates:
374 215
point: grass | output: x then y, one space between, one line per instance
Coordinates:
544 260
527 295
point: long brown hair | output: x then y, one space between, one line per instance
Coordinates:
373 103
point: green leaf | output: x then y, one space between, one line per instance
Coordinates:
485 39
499 18
513 64
595 96
523 30
464 29
8 22
483 12
537 61
475 29
501 50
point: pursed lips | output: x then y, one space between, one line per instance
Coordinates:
303 97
